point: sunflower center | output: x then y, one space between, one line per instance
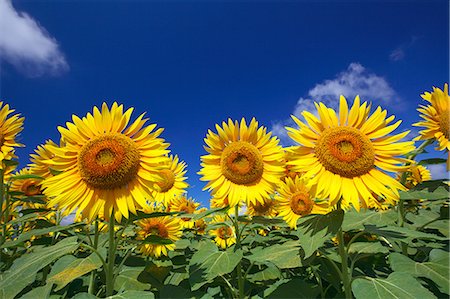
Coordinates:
262 209
168 179
301 204
345 151
30 188
156 228
108 162
242 163
444 123
225 232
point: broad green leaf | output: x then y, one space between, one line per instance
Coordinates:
283 256
24 269
261 220
84 296
40 292
156 240
397 285
75 269
127 280
295 288
27 217
133 295
402 233
432 161
171 291
437 268
270 272
155 273
368 247
209 212
26 176
209 262
354 220
141 215
442 226
38 232
432 190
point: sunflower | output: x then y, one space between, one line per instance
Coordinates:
105 164
200 224
436 118
224 234
416 174
296 199
173 180
165 227
41 159
28 188
182 204
267 208
345 156
244 162
10 127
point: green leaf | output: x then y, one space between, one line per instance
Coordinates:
142 215
265 220
26 177
437 268
24 269
209 262
432 161
397 285
75 269
283 256
133 295
295 288
84 296
368 247
127 280
40 292
268 273
156 240
432 190
38 232
27 217
155 273
209 212
402 233
354 220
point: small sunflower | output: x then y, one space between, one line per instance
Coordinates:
29 188
182 204
173 182
41 159
436 118
267 208
415 175
295 199
10 127
244 162
224 235
105 164
346 155
200 224
165 227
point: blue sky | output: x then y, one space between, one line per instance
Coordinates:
192 64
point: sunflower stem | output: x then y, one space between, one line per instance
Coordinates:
346 278
111 257
238 246
91 288
2 186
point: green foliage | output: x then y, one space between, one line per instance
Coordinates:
283 256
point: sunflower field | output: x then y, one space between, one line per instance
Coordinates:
347 212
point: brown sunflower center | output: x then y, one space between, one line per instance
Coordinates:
188 208
168 179
156 228
242 163
109 161
30 188
444 123
345 151
262 209
225 232
301 204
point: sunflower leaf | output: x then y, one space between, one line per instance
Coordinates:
156 240
432 161
286 255
26 177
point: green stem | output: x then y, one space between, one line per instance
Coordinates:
111 257
6 215
238 246
91 288
346 279
2 220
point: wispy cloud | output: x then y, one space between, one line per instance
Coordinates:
355 80
399 53
438 171
27 45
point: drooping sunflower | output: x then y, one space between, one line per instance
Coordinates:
224 235
183 204
30 187
41 159
10 127
267 208
416 174
436 118
346 155
165 227
296 199
173 183
106 164
244 162
200 224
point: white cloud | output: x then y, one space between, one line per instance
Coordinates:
438 171
27 45
399 53
355 80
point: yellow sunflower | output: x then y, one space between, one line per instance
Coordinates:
416 174
346 155
173 180
436 118
106 164
41 159
29 188
165 227
182 204
244 162
10 127
267 208
200 224
224 234
295 199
